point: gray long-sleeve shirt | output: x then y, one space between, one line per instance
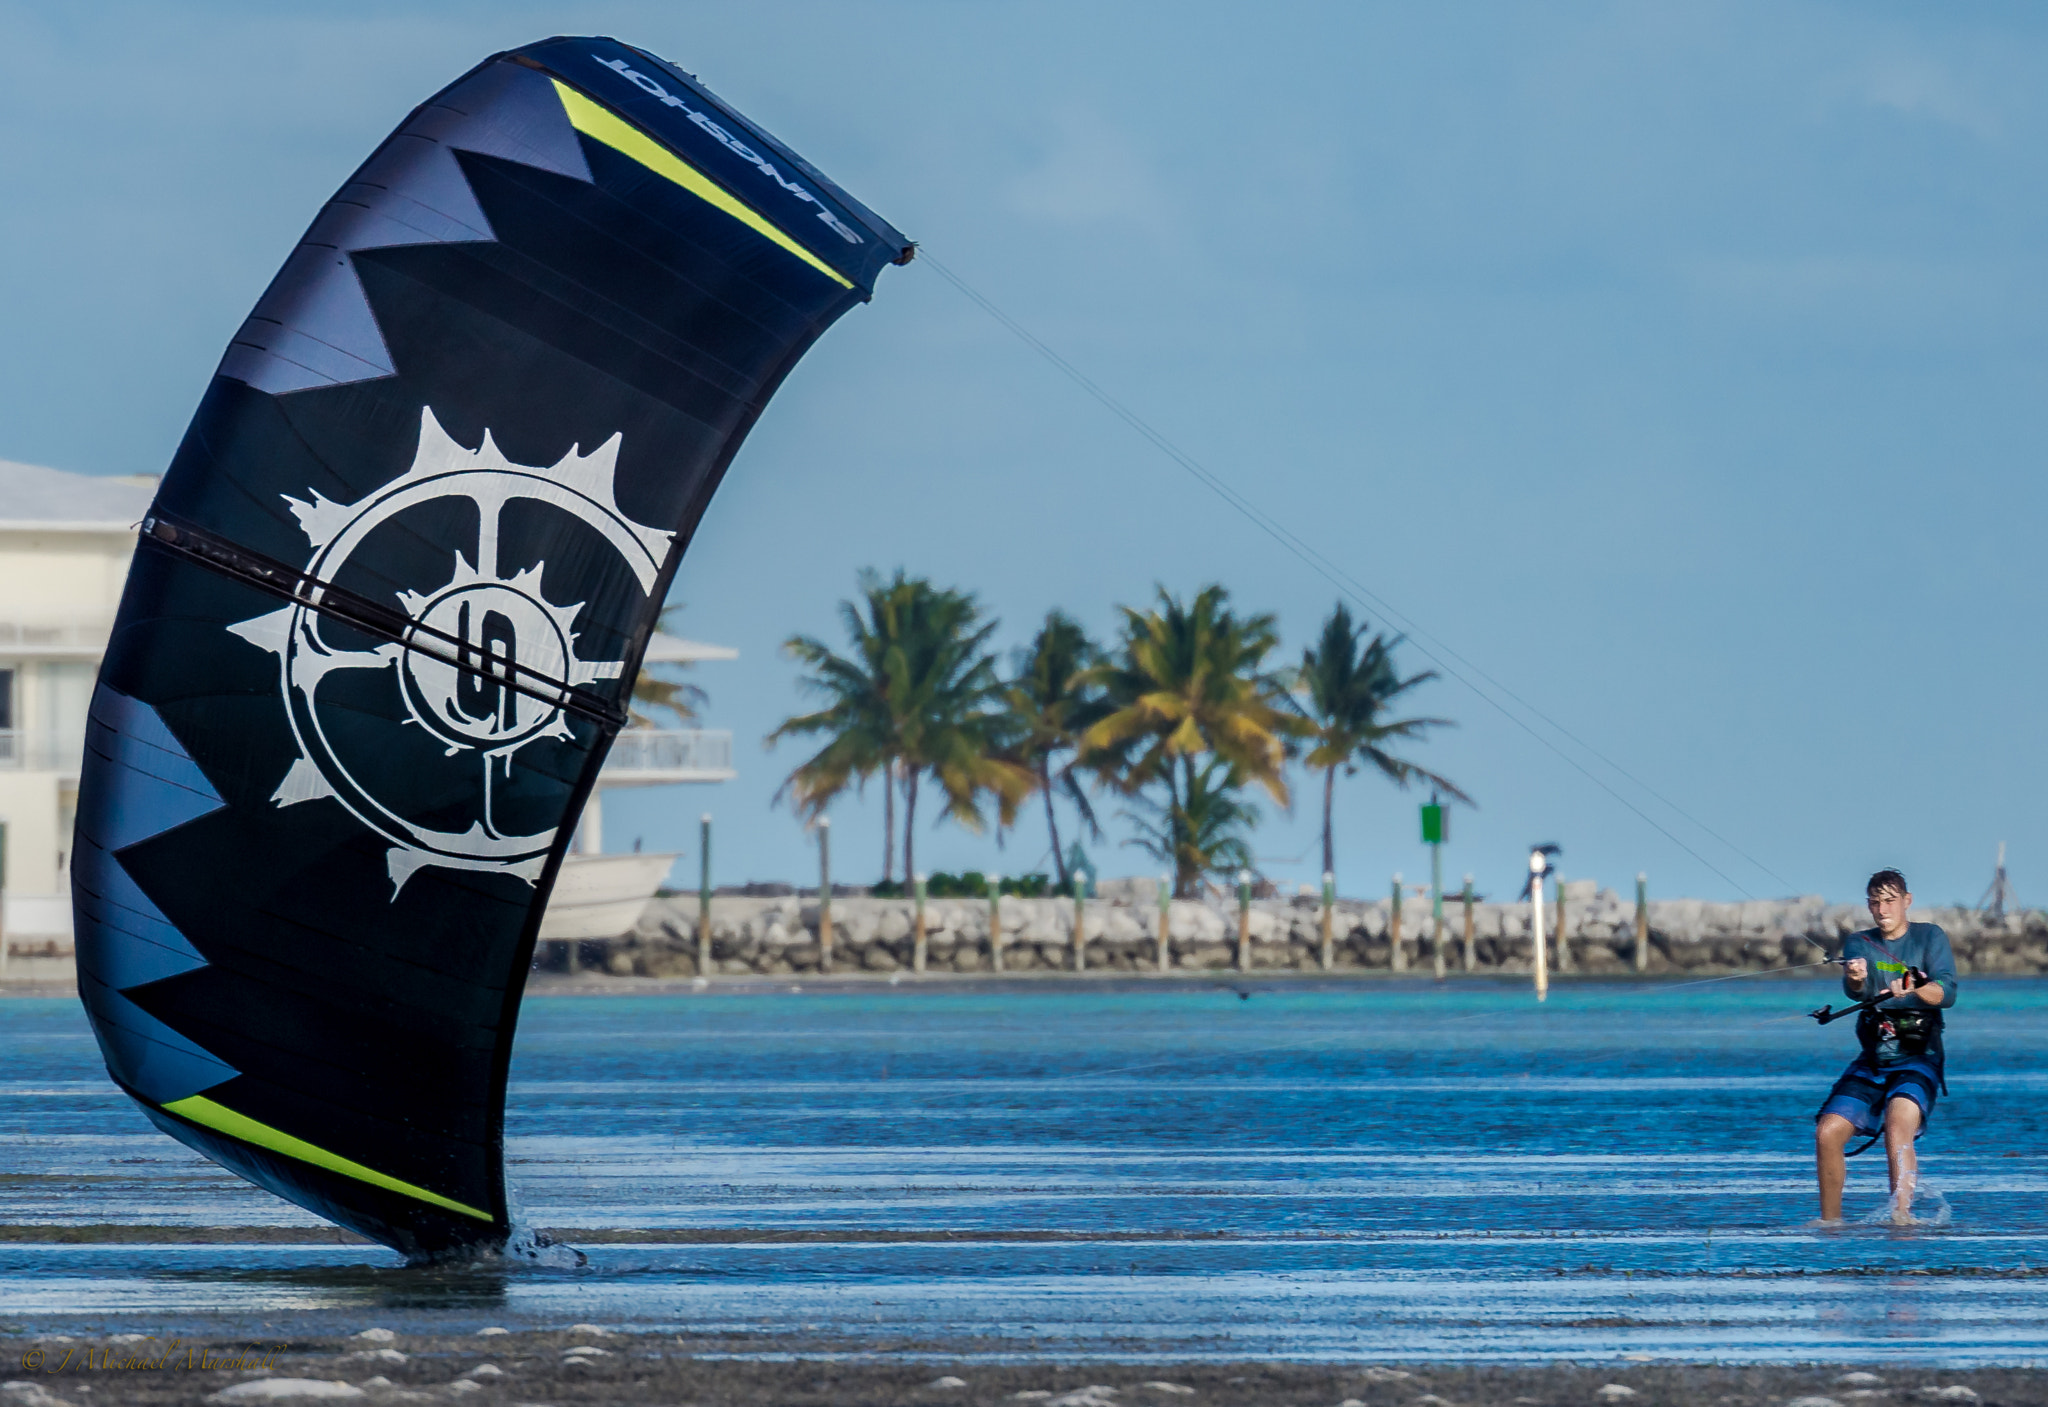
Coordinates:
1922 945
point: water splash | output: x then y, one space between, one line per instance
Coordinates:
1925 1206
529 1245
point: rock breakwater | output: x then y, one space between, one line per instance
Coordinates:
1122 933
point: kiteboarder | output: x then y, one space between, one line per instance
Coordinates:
1903 976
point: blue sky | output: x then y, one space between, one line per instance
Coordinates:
1680 366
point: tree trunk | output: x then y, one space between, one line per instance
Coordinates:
1052 825
1176 825
909 822
889 823
1329 850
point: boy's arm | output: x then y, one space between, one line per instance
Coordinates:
1941 970
1852 949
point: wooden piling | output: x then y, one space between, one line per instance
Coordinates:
1165 919
917 930
1471 954
1080 916
995 922
1329 920
704 895
824 893
1642 922
1398 959
1244 920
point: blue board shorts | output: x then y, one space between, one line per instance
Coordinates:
1866 1087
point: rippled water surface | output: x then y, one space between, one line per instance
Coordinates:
1398 1170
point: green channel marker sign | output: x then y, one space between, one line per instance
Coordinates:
1433 832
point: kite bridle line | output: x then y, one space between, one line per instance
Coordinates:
1438 653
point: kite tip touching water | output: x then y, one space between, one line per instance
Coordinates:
389 603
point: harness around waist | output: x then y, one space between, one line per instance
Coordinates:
1913 1027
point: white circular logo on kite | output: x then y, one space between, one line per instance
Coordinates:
482 668
509 634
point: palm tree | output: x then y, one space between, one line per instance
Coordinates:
1053 699
1188 681
1204 831
859 718
1348 691
656 689
951 722
918 694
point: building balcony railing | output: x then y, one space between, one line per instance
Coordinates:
72 639
639 756
24 751
653 756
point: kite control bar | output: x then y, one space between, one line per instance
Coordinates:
1914 978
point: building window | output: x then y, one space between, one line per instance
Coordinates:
64 693
6 699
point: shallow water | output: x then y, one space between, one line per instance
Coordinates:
1396 1170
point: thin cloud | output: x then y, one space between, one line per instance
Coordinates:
1092 173
1918 87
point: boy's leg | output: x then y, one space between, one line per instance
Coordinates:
1831 1134
1901 1127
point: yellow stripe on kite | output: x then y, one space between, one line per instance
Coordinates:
620 135
218 1117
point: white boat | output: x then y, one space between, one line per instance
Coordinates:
601 896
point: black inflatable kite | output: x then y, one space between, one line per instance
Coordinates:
390 601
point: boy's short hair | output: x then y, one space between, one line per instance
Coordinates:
1883 880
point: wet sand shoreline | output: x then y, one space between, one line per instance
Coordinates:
148 1234
586 1364
157 1234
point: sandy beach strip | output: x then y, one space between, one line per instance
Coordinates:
587 1364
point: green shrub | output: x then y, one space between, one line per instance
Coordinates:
971 885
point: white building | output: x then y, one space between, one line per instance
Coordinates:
654 757
65 543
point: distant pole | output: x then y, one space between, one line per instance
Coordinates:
1564 947
995 921
1165 915
1399 960
1995 899
704 895
1471 957
1436 904
824 893
1080 913
1642 922
1329 906
1244 920
1433 836
1536 867
917 923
